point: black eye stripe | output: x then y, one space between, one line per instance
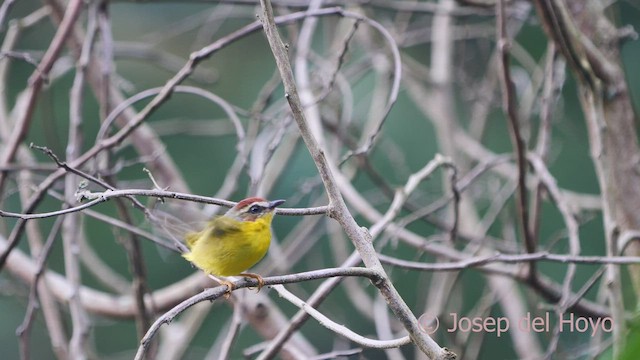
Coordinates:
255 209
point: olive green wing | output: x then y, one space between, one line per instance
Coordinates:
216 228
224 225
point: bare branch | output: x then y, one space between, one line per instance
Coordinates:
217 292
340 329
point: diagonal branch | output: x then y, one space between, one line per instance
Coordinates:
337 207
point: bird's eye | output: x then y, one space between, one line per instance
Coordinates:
255 209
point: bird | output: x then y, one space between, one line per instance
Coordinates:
230 244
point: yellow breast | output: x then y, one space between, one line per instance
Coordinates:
228 247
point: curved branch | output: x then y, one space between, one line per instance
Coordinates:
218 291
340 329
179 89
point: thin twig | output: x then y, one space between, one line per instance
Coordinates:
337 354
509 259
23 331
510 106
232 334
100 197
574 244
402 195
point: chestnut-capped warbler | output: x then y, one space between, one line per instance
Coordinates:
234 242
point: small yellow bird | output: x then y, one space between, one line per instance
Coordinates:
234 242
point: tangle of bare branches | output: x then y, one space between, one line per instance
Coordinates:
440 181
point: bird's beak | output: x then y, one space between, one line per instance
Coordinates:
275 203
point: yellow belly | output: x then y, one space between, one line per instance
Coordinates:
230 253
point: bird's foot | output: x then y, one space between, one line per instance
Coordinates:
230 287
222 281
254 276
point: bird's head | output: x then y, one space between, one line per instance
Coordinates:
253 208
